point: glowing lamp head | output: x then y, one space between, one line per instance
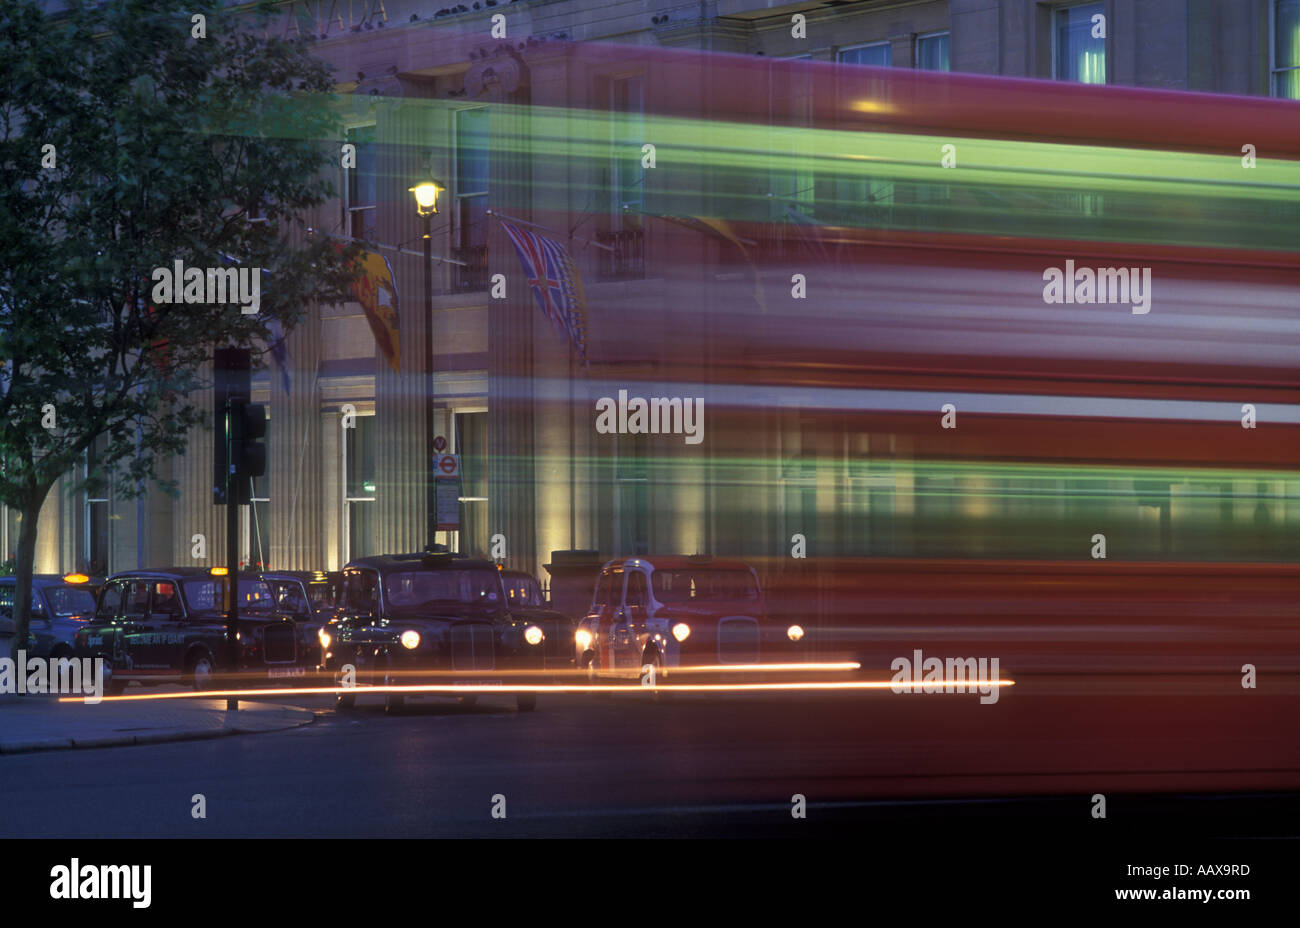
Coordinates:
533 635
325 638
794 632
583 638
426 197
410 639
681 631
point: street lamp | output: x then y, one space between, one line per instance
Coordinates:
426 197
426 206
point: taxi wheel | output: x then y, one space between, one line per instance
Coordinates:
526 702
652 657
116 687
394 703
343 700
201 671
469 700
588 665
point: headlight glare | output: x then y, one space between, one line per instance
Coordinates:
681 631
410 639
794 632
533 635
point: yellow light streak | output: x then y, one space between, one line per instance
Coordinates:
541 688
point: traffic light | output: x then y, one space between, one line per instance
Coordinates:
249 449
232 380
238 427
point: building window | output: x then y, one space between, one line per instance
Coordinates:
932 52
633 515
792 182
95 538
471 445
359 489
878 54
1078 54
627 128
359 184
10 526
472 198
1286 49
259 513
626 182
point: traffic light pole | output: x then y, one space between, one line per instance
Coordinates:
232 545
240 456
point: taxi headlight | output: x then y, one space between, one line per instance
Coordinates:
794 632
681 631
583 637
410 639
533 635
325 638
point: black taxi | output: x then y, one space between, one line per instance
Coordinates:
61 607
424 619
526 601
310 598
167 626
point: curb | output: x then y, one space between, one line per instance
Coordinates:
290 717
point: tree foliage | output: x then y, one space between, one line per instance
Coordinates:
165 147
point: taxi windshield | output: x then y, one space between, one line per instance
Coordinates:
691 585
208 593
65 600
416 589
322 594
523 591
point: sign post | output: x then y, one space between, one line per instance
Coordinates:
446 474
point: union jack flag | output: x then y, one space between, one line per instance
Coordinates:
553 277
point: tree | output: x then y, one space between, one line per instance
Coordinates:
129 143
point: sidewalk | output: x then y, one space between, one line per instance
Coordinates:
41 723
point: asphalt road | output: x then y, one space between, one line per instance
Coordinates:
1192 753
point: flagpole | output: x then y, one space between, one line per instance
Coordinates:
397 248
524 222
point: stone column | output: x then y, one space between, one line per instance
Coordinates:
504 79
406 136
49 531
193 512
331 490
296 453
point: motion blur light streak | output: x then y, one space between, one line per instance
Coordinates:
546 688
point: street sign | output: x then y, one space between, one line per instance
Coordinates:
447 466
439 444
448 505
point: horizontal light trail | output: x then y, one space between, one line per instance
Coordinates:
811 666
550 688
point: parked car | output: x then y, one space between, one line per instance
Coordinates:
167 626
429 618
525 601
675 611
310 598
61 606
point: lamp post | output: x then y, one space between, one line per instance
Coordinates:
426 205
